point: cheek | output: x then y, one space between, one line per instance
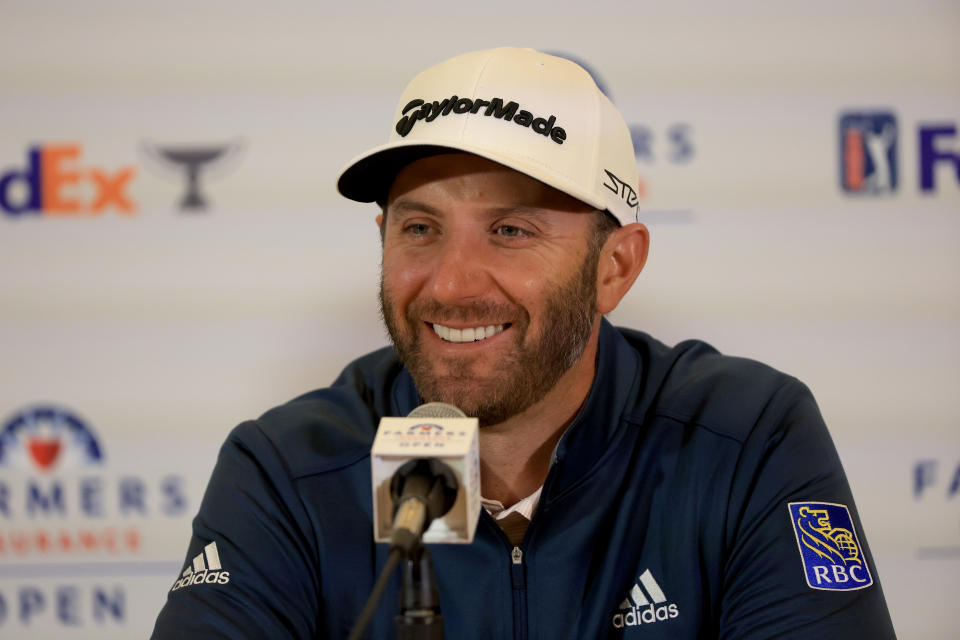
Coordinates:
403 277
532 294
529 286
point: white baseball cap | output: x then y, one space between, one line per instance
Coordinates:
535 113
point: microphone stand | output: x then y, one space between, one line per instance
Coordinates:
420 617
422 489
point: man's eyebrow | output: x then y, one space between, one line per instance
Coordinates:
406 205
522 209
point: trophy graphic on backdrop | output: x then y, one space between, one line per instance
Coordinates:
193 161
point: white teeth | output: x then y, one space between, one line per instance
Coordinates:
466 335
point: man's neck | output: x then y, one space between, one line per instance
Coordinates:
515 454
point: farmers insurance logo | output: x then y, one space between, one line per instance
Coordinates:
62 508
48 439
424 435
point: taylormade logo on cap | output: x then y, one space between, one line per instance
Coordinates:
430 111
535 113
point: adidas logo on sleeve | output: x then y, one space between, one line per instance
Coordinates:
205 569
645 604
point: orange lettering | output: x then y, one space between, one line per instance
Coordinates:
19 542
41 541
112 189
87 540
108 540
133 539
66 543
53 178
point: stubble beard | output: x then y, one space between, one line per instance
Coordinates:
527 373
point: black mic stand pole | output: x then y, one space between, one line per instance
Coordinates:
419 617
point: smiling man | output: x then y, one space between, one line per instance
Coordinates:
490 293
631 489
500 269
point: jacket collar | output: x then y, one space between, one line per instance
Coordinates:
597 424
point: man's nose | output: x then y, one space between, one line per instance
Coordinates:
460 269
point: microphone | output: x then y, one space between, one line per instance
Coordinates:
422 490
425 470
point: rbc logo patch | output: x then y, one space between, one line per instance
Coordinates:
832 557
47 439
868 152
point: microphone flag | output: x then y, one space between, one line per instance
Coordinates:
428 433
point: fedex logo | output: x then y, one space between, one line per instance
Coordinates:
55 183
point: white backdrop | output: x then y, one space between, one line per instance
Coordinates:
158 330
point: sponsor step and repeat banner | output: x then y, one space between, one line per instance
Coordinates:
175 258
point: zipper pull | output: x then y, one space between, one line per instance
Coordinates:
516 556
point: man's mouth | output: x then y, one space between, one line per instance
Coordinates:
470 334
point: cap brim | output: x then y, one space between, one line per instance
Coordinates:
368 177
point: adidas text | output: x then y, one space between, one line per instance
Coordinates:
635 617
202 577
418 109
646 603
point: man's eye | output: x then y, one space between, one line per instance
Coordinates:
417 229
509 231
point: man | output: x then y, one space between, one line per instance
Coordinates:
631 489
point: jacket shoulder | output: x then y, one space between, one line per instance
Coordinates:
694 383
327 428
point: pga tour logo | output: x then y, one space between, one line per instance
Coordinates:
832 556
868 152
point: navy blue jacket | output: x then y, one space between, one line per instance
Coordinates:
694 496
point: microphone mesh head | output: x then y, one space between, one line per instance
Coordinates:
437 410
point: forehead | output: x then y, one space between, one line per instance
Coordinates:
463 177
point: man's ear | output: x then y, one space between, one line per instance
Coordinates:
621 261
381 228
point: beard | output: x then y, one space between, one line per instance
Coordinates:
530 369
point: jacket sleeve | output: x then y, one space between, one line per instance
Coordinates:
797 564
250 570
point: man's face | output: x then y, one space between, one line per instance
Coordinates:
489 283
